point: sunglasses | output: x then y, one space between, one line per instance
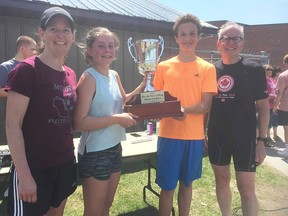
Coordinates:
269 69
226 40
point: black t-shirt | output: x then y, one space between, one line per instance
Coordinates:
239 86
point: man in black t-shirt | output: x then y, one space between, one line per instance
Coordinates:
232 123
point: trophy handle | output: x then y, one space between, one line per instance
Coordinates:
161 43
131 44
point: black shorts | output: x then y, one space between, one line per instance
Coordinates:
223 146
54 184
282 117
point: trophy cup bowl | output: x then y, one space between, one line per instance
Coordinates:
146 53
150 104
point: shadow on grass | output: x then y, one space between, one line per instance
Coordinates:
147 211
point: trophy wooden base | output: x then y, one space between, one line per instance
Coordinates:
169 108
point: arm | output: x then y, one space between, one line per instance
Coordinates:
280 86
16 108
3 80
263 115
206 119
202 107
82 121
279 94
137 90
3 93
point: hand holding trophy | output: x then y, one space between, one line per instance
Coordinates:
150 104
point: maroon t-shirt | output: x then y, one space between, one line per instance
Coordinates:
47 127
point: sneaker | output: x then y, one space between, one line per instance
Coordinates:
283 153
277 138
268 139
268 144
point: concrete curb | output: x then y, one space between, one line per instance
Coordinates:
273 159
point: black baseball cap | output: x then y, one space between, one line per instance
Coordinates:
53 11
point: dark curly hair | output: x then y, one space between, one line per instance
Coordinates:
187 18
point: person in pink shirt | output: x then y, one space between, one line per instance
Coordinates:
273 122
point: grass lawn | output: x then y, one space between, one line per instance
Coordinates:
272 191
271 188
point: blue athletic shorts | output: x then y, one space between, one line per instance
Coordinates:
178 160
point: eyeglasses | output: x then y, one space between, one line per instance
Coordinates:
269 69
226 40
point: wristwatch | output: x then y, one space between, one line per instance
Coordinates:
261 139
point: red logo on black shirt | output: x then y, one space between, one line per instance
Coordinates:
225 83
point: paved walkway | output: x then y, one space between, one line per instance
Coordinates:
273 159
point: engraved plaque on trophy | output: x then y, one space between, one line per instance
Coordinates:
150 104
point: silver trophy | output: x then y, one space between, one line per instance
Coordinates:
146 55
150 104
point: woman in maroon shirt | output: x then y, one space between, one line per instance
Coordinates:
41 96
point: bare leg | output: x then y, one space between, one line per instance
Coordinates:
275 134
166 202
268 133
99 195
184 199
223 191
286 133
113 184
246 187
285 152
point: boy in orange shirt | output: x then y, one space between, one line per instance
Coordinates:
181 140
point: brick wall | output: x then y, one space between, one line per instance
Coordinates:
272 38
